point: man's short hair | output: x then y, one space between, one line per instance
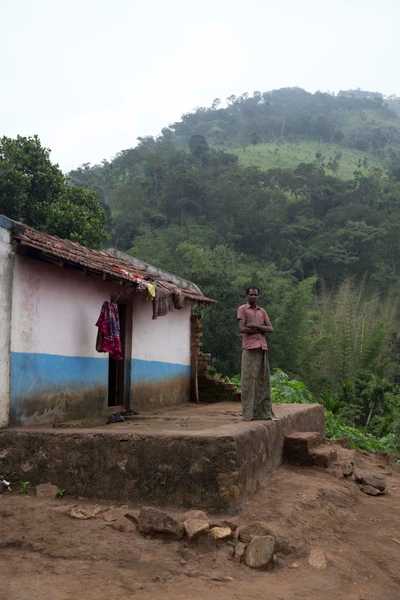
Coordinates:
252 287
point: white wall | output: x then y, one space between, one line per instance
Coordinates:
55 310
166 339
6 273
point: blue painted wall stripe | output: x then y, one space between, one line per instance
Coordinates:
33 373
148 371
5 222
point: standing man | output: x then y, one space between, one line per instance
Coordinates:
256 392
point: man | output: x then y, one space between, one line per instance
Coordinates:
253 325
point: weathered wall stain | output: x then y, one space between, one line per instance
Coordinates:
161 393
58 405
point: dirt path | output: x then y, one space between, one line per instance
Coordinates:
45 554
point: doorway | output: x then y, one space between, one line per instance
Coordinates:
119 370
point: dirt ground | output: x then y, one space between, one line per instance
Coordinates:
45 554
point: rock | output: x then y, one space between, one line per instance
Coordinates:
245 533
194 527
347 467
239 551
132 515
260 551
343 442
113 514
317 559
384 455
230 522
357 475
282 544
115 518
221 533
122 525
81 512
222 579
153 520
342 468
195 514
371 491
46 491
376 481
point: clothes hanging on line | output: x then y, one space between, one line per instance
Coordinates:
163 302
177 294
151 291
109 335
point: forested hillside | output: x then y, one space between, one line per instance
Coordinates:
297 192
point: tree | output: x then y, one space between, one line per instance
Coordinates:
198 146
34 190
255 139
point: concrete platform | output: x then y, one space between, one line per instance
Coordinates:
200 456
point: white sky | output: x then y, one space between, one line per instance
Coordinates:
90 76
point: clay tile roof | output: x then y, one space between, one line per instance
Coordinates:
92 262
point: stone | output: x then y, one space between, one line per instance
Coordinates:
347 467
229 522
82 512
195 514
324 456
117 519
239 551
376 481
245 533
132 515
342 468
194 527
371 491
122 524
46 491
282 544
317 559
384 455
221 533
113 514
357 475
260 551
153 520
343 442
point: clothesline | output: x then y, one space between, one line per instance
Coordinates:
165 295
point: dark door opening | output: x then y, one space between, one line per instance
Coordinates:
116 368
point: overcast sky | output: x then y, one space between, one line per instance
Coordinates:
90 76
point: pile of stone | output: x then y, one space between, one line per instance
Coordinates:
369 483
254 544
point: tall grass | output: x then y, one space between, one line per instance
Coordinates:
352 332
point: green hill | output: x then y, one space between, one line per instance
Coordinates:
291 125
288 155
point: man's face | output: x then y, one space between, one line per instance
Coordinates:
252 297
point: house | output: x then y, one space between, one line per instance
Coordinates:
51 294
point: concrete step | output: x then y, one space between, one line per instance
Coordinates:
306 448
324 456
300 443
